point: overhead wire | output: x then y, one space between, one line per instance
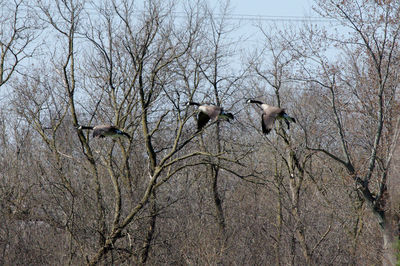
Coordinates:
252 17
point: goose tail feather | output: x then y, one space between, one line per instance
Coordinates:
289 118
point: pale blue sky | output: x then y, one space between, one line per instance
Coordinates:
251 13
272 7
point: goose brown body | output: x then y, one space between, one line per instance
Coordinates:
270 114
209 112
102 131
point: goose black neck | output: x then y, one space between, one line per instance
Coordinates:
86 127
194 103
255 101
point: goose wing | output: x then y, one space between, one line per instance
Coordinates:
268 117
101 130
202 120
211 110
114 131
98 132
267 123
108 130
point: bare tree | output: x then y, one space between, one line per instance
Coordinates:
310 194
18 35
152 46
363 89
271 68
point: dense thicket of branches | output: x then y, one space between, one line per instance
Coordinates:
324 192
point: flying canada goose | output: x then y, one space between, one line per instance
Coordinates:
207 112
102 131
270 113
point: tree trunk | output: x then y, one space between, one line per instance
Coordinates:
390 242
279 220
295 183
150 229
388 221
219 213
